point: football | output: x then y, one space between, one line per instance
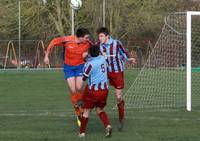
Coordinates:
76 4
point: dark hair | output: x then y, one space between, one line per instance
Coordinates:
81 32
103 30
94 51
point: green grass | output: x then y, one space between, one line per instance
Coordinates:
35 106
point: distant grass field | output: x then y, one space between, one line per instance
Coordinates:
35 106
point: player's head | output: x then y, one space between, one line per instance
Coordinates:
103 34
83 34
94 51
103 30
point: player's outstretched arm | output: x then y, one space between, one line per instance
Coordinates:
132 60
60 41
55 42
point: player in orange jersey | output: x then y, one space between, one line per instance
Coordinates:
75 49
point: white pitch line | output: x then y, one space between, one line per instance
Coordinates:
69 114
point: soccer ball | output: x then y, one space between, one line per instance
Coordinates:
76 4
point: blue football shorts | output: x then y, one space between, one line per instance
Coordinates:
72 71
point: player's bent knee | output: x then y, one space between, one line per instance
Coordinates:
86 112
118 96
72 89
99 110
119 100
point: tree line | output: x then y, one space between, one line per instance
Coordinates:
126 19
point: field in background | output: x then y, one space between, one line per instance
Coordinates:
35 106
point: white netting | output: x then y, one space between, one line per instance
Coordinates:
161 83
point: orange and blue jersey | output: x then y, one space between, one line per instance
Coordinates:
115 55
72 50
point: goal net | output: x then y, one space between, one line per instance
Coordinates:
164 82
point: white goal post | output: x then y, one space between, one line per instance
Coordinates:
189 47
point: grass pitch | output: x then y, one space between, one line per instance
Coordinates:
35 106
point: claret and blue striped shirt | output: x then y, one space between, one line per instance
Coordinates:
96 72
115 55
